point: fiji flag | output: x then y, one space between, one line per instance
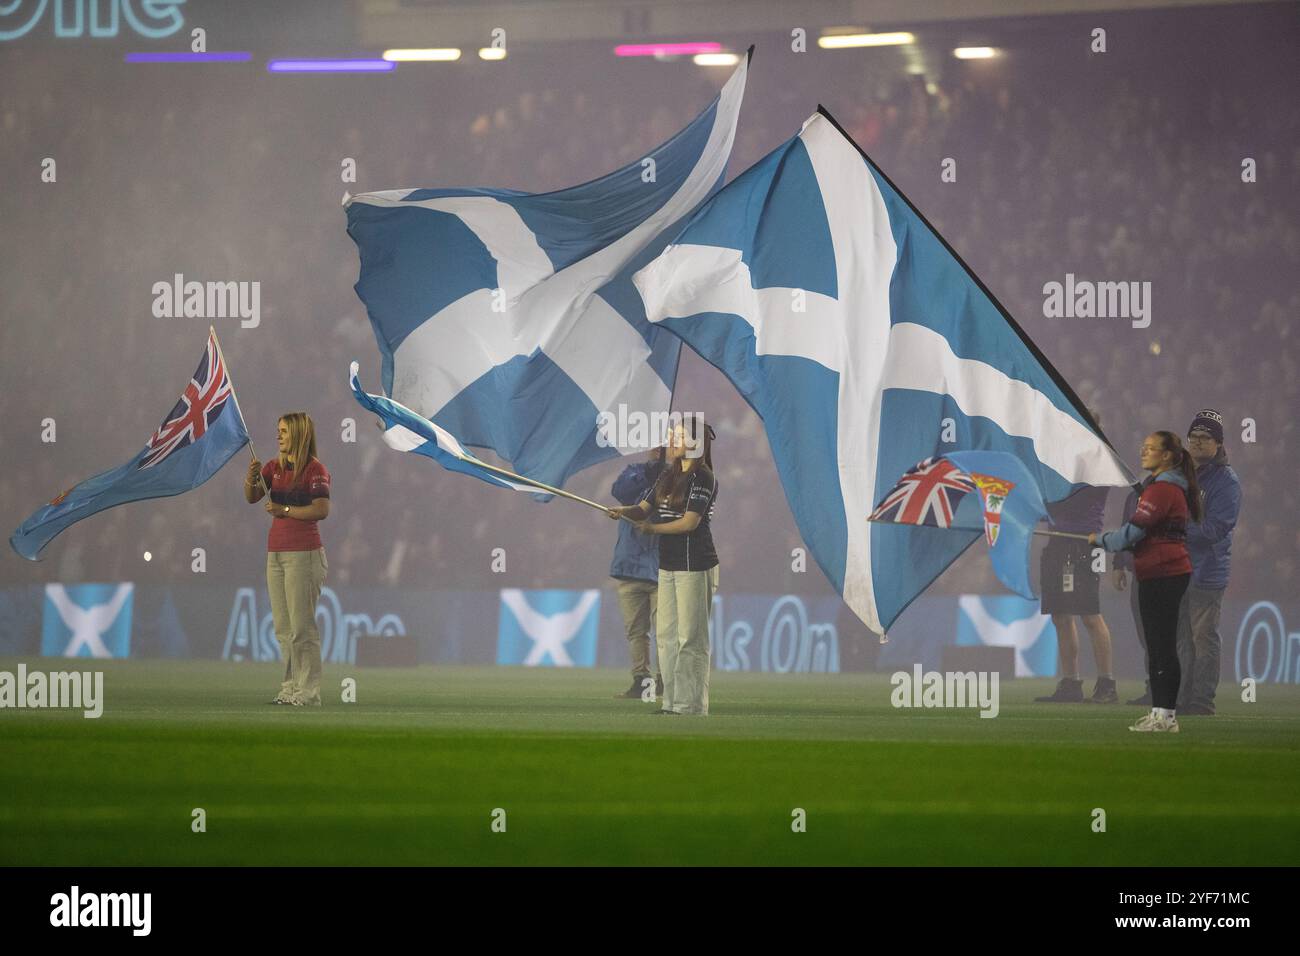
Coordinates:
510 319
1006 506
198 436
855 331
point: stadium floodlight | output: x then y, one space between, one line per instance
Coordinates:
667 49
974 52
431 55
844 41
492 53
330 66
716 59
223 56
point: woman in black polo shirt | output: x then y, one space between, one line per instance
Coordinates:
679 507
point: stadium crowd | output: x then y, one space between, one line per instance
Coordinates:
1133 173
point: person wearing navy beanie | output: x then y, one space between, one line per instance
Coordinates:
1209 543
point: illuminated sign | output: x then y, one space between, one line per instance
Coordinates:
249 637
1263 633
794 637
96 18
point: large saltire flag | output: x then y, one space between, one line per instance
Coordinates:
509 318
989 491
200 434
857 334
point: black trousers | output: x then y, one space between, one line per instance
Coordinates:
1158 603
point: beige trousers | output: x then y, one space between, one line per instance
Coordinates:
682 638
294 580
636 599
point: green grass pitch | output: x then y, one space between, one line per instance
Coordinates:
411 774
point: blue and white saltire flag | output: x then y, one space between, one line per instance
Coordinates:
510 319
865 345
407 431
199 435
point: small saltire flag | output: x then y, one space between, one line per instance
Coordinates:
1006 507
863 342
510 319
404 430
199 435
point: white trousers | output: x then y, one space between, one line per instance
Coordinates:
682 637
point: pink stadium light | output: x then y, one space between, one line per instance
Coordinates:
666 49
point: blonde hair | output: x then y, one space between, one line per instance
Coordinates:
302 444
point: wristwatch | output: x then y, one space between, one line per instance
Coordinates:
286 511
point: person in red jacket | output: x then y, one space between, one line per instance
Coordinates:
299 498
1157 536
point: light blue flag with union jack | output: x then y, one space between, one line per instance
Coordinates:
1006 506
200 434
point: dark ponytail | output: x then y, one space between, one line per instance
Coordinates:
1184 463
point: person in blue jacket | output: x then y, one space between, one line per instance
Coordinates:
1209 542
636 569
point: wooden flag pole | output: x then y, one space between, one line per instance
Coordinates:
1062 534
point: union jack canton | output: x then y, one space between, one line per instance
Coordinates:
927 494
199 406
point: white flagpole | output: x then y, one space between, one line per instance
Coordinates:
251 451
1050 534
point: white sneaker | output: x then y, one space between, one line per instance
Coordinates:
1149 723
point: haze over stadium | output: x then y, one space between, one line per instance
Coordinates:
1038 158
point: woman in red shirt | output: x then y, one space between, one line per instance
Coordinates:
1156 534
295 562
